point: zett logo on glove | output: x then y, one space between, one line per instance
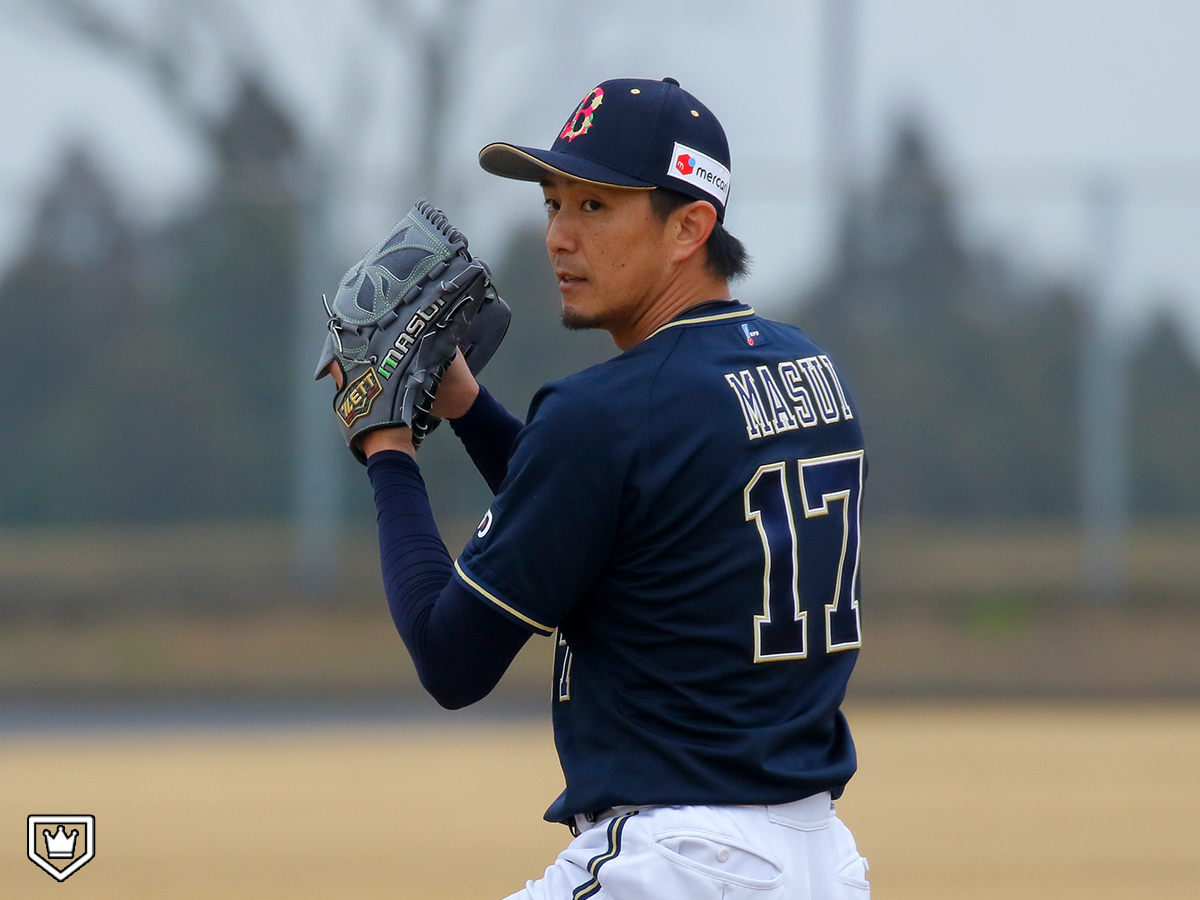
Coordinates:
359 396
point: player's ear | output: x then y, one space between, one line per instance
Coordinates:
691 224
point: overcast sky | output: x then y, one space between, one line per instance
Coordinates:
1027 102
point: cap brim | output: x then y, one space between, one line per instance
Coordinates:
531 164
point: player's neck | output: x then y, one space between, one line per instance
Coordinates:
691 287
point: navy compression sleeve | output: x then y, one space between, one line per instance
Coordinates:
458 644
488 431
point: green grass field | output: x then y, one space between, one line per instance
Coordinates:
1057 802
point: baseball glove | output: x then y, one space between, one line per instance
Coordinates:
397 320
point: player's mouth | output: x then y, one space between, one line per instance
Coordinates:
566 280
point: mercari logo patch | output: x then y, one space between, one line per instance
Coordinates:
700 170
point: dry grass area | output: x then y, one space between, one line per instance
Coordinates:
213 611
985 647
234 565
1019 801
1013 648
98 571
303 651
963 560
1014 802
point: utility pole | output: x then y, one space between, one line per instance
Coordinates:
839 107
318 499
1103 408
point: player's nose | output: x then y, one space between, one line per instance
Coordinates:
561 235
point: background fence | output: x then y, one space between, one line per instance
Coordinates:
1021 338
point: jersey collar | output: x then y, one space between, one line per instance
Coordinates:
710 311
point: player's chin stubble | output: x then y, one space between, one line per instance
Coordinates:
610 315
576 321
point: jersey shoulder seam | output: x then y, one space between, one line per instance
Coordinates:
480 590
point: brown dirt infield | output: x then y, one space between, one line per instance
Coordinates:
1002 801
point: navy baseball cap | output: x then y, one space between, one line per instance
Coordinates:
630 133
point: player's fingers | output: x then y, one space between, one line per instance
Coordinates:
457 390
458 367
339 377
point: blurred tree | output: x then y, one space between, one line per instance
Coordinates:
430 34
968 376
1165 423
232 273
965 410
259 249
232 261
110 416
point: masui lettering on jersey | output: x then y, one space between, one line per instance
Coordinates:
799 393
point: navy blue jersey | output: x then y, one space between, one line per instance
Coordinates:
685 519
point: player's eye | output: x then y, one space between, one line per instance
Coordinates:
592 205
551 204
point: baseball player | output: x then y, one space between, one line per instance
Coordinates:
682 520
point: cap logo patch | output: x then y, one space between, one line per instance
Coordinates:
700 170
584 115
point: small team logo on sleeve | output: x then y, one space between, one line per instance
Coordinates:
485 526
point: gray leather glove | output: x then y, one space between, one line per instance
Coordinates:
397 320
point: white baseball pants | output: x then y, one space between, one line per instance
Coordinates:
793 851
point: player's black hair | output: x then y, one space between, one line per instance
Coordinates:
725 255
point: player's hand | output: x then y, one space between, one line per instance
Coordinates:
457 390
385 438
